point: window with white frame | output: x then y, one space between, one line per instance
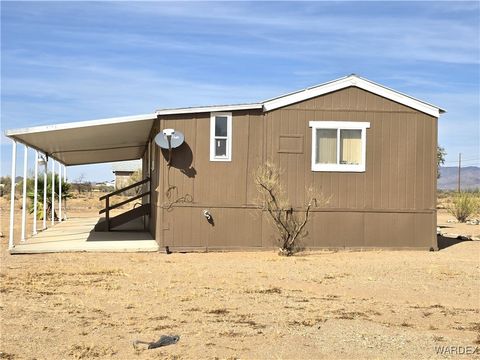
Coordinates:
221 137
339 145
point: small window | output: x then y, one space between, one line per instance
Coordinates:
338 145
221 137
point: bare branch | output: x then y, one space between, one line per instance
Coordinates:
275 201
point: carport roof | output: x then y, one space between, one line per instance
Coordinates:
90 142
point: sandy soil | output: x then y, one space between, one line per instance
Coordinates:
331 305
382 304
447 228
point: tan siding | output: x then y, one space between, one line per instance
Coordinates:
384 206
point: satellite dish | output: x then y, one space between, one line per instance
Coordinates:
169 139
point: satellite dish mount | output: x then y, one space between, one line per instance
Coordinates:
169 139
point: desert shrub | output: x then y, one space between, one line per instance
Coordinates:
464 205
5 185
289 222
66 194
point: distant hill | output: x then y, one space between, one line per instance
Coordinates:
470 178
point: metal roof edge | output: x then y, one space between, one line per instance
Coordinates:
79 124
347 81
210 108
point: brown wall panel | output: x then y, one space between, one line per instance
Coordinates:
336 230
392 203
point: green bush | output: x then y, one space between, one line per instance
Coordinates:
66 194
464 205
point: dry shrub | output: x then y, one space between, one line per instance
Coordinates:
464 206
288 222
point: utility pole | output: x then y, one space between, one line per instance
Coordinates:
459 167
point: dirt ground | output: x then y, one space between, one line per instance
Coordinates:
255 305
454 229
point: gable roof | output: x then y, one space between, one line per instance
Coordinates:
314 91
125 138
356 81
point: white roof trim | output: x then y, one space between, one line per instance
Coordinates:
214 108
352 80
80 124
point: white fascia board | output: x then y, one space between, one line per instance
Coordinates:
80 124
339 125
359 82
217 108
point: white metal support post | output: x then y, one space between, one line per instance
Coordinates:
35 194
45 180
53 192
11 242
65 180
24 192
59 191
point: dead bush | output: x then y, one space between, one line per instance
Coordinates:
288 221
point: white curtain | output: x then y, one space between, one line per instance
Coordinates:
350 147
326 146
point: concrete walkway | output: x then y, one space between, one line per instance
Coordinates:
77 235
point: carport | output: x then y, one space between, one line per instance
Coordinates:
57 147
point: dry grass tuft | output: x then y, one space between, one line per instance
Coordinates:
163 327
244 320
194 309
350 315
49 283
7 356
306 323
230 333
272 290
82 351
475 326
218 311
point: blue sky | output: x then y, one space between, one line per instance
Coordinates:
70 61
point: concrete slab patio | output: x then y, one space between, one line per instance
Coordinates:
77 235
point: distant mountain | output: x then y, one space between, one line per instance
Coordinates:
469 178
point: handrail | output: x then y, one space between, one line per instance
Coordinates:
116 192
109 207
125 202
